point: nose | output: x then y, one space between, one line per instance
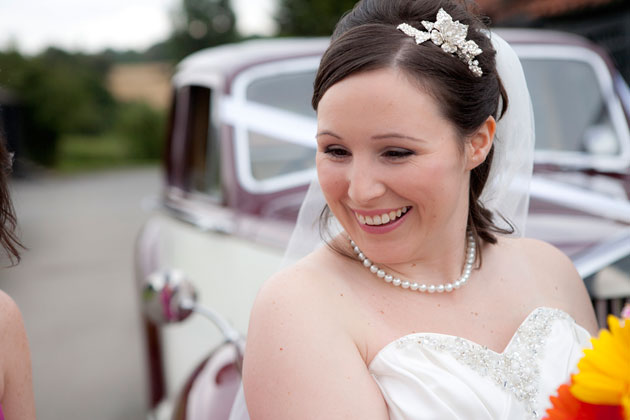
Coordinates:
364 182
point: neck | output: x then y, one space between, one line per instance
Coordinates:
435 260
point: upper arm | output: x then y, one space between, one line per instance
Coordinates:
560 279
299 361
17 391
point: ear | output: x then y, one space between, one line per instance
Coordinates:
480 143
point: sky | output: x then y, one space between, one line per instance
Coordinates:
92 25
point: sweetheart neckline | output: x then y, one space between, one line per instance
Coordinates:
523 323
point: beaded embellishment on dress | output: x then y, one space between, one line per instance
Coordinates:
516 369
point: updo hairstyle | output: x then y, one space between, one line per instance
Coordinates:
366 39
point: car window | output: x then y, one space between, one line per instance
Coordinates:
272 157
291 92
193 129
274 123
570 111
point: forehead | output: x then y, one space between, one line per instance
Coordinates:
381 100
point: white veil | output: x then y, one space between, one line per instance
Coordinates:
506 192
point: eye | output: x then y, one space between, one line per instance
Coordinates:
336 152
397 153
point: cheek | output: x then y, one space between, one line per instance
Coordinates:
436 180
332 179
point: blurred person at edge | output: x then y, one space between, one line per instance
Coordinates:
16 388
398 317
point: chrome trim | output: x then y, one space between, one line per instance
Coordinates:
175 207
619 163
603 254
580 199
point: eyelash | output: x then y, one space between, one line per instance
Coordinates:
394 154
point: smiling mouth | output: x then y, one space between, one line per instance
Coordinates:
382 219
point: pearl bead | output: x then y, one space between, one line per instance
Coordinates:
406 284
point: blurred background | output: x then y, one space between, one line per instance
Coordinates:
84 94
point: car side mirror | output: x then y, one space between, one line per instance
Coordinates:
168 296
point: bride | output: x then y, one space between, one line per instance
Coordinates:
423 306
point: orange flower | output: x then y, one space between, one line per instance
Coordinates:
567 407
564 407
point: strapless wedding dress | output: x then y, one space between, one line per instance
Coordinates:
428 376
440 377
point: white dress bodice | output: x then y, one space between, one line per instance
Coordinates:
441 377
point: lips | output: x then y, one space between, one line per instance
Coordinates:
381 218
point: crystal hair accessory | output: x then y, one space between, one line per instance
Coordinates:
450 36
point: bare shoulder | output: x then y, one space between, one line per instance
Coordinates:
16 391
11 323
8 307
555 278
300 360
296 292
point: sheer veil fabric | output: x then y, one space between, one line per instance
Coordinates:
506 193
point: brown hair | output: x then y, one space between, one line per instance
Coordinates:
8 222
366 39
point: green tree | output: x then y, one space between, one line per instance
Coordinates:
60 93
142 127
200 24
310 17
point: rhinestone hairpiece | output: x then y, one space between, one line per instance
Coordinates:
450 36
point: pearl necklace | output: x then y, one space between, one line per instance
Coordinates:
421 287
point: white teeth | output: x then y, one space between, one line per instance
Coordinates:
383 218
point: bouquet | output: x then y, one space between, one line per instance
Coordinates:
601 388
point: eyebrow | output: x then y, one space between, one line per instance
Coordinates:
397 136
376 137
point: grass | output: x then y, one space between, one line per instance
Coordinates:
79 153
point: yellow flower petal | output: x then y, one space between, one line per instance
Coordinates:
597 389
604 371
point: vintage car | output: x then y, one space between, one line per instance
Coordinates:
240 153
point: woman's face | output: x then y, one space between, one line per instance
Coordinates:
391 167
